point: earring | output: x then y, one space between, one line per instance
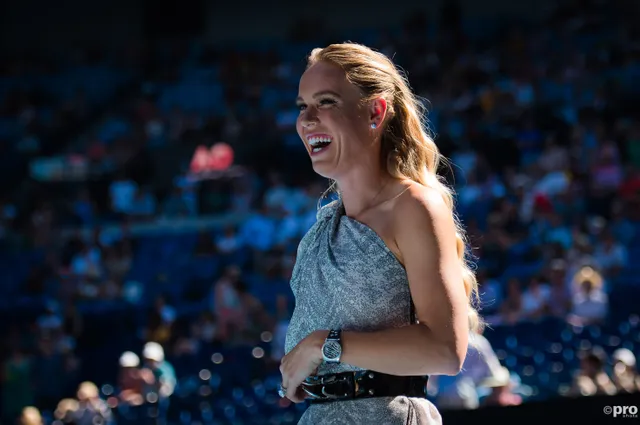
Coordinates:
374 125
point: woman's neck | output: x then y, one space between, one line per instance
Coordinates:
362 189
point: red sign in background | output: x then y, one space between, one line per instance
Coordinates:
217 158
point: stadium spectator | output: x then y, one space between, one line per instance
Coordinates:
511 308
161 319
91 409
560 297
83 208
30 416
259 231
556 232
590 303
159 376
143 205
229 309
130 383
189 343
501 390
592 379
610 255
123 192
86 265
625 375
228 242
118 258
49 323
621 227
66 410
535 299
257 318
206 329
276 196
462 391
579 256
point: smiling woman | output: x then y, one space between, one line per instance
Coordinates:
329 106
383 292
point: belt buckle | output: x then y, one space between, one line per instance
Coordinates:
358 378
311 382
321 381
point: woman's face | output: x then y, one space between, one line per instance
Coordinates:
333 123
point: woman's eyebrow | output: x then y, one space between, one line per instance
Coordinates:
321 93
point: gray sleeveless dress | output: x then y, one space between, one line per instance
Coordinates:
345 277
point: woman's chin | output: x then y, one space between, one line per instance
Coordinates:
324 169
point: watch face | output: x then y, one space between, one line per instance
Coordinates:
332 350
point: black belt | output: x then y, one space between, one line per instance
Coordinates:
362 384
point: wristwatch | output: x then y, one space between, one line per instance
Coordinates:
332 347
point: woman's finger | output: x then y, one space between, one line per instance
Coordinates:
284 386
285 380
297 396
283 371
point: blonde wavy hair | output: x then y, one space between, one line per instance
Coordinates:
407 149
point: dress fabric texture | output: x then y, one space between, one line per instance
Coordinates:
345 277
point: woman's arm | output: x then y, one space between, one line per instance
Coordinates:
425 234
409 350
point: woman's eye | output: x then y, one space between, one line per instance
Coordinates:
326 102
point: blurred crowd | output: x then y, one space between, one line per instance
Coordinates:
544 143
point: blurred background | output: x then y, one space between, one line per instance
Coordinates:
153 191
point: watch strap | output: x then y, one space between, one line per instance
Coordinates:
334 335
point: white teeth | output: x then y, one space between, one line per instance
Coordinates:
317 140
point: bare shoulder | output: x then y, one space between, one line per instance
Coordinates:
421 208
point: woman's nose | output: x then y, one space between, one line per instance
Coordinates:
309 119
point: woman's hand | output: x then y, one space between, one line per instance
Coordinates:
300 363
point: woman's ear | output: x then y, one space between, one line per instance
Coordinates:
378 111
